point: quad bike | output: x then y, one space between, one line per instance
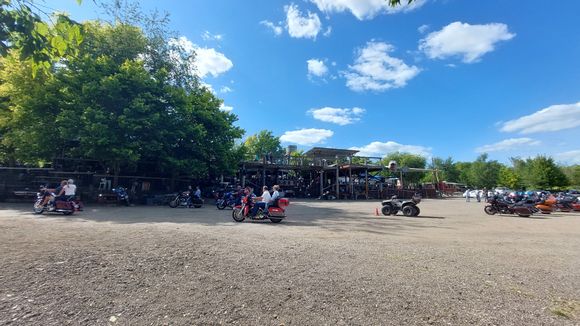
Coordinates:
276 213
408 207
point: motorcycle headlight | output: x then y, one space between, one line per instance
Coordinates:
38 194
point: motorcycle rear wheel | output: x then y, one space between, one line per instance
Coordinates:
523 215
275 220
238 215
490 210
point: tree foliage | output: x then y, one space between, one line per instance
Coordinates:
540 172
407 160
263 143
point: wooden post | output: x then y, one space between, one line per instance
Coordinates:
321 181
337 176
366 179
350 178
264 172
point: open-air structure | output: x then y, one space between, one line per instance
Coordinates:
326 172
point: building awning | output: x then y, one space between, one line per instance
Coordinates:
329 153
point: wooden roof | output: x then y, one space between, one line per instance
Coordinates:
322 152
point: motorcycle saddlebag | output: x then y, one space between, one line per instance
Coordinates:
60 204
276 212
283 202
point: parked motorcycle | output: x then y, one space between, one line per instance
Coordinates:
276 213
184 199
122 195
496 205
66 207
408 207
227 200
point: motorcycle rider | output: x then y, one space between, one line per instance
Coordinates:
197 193
262 202
55 194
70 189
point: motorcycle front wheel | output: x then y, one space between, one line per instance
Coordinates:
221 204
173 203
490 210
38 207
275 220
238 215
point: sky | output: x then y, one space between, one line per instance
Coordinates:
440 78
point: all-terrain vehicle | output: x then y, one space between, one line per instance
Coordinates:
408 207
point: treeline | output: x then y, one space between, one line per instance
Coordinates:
127 96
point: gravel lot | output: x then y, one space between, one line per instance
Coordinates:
330 263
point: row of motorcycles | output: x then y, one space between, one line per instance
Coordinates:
525 206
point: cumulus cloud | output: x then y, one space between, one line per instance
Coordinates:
380 149
226 108
569 157
207 61
277 29
207 36
365 9
374 69
508 145
306 137
316 67
552 118
423 28
470 42
337 115
301 26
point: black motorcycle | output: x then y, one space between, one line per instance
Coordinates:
184 199
497 205
227 200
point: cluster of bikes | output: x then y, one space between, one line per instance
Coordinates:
528 204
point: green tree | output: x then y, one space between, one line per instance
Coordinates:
394 3
545 174
446 168
573 174
484 173
406 160
509 178
39 43
263 143
464 170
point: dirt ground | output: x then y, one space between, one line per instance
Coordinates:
329 263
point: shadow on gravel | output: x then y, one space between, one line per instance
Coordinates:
324 215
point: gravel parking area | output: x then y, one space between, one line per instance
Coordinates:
329 263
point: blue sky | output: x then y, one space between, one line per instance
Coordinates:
442 78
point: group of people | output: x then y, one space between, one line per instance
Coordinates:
478 195
266 200
65 191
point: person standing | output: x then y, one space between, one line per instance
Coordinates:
485 194
478 195
467 195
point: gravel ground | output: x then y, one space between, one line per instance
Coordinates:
329 263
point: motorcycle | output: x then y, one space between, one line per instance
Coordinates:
276 213
122 195
496 205
67 207
227 200
408 207
184 199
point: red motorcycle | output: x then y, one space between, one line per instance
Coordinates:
276 212
66 207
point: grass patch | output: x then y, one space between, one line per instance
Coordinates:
566 308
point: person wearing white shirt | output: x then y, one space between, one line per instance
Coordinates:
70 189
262 201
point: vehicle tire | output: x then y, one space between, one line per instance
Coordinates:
197 205
221 204
38 208
523 215
386 210
417 211
126 201
408 211
238 215
490 210
173 203
67 213
275 220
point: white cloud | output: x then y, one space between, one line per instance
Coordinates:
552 118
461 39
207 61
207 36
337 115
226 108
316 67
423 28
374 69
569 157
301 26
328 31
380 149
277 29
225 90
365 9
306 137
507 145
